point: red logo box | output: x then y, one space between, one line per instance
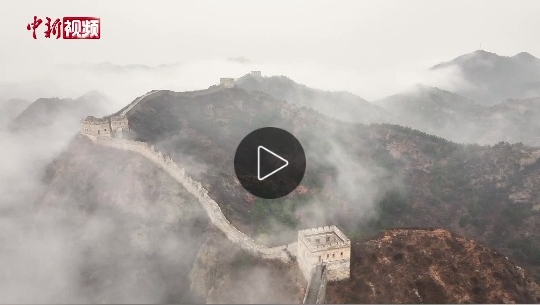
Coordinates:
81 28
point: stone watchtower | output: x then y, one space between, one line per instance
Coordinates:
113 126
226 82
95 126
326 246
119 124
256 74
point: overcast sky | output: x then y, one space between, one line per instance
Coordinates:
340 39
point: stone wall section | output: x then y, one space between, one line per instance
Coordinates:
339 270
196 189
316 290
132 105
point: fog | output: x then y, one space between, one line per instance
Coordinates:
100 225
66 240
371 48
41 245
118 82
62 232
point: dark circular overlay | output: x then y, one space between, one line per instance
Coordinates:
270 163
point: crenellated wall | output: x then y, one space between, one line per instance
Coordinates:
196 189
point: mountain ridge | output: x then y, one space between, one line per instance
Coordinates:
187 129
341 105
462 120
413 173
491 78
45 112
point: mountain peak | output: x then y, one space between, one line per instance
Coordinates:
483 55
93 94
524 56
483 52
489 78
473 56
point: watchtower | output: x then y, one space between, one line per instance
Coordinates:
113 126
226 82
95 126
119 124
327 246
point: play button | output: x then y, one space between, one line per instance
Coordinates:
261 164
270 162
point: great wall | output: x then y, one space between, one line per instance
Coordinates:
125 110
307 251
316 290
213 210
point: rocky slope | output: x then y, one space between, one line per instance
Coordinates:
431 266
127 218
383 175
136 236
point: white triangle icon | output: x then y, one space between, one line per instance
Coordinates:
259 163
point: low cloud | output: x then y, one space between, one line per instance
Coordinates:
124 83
